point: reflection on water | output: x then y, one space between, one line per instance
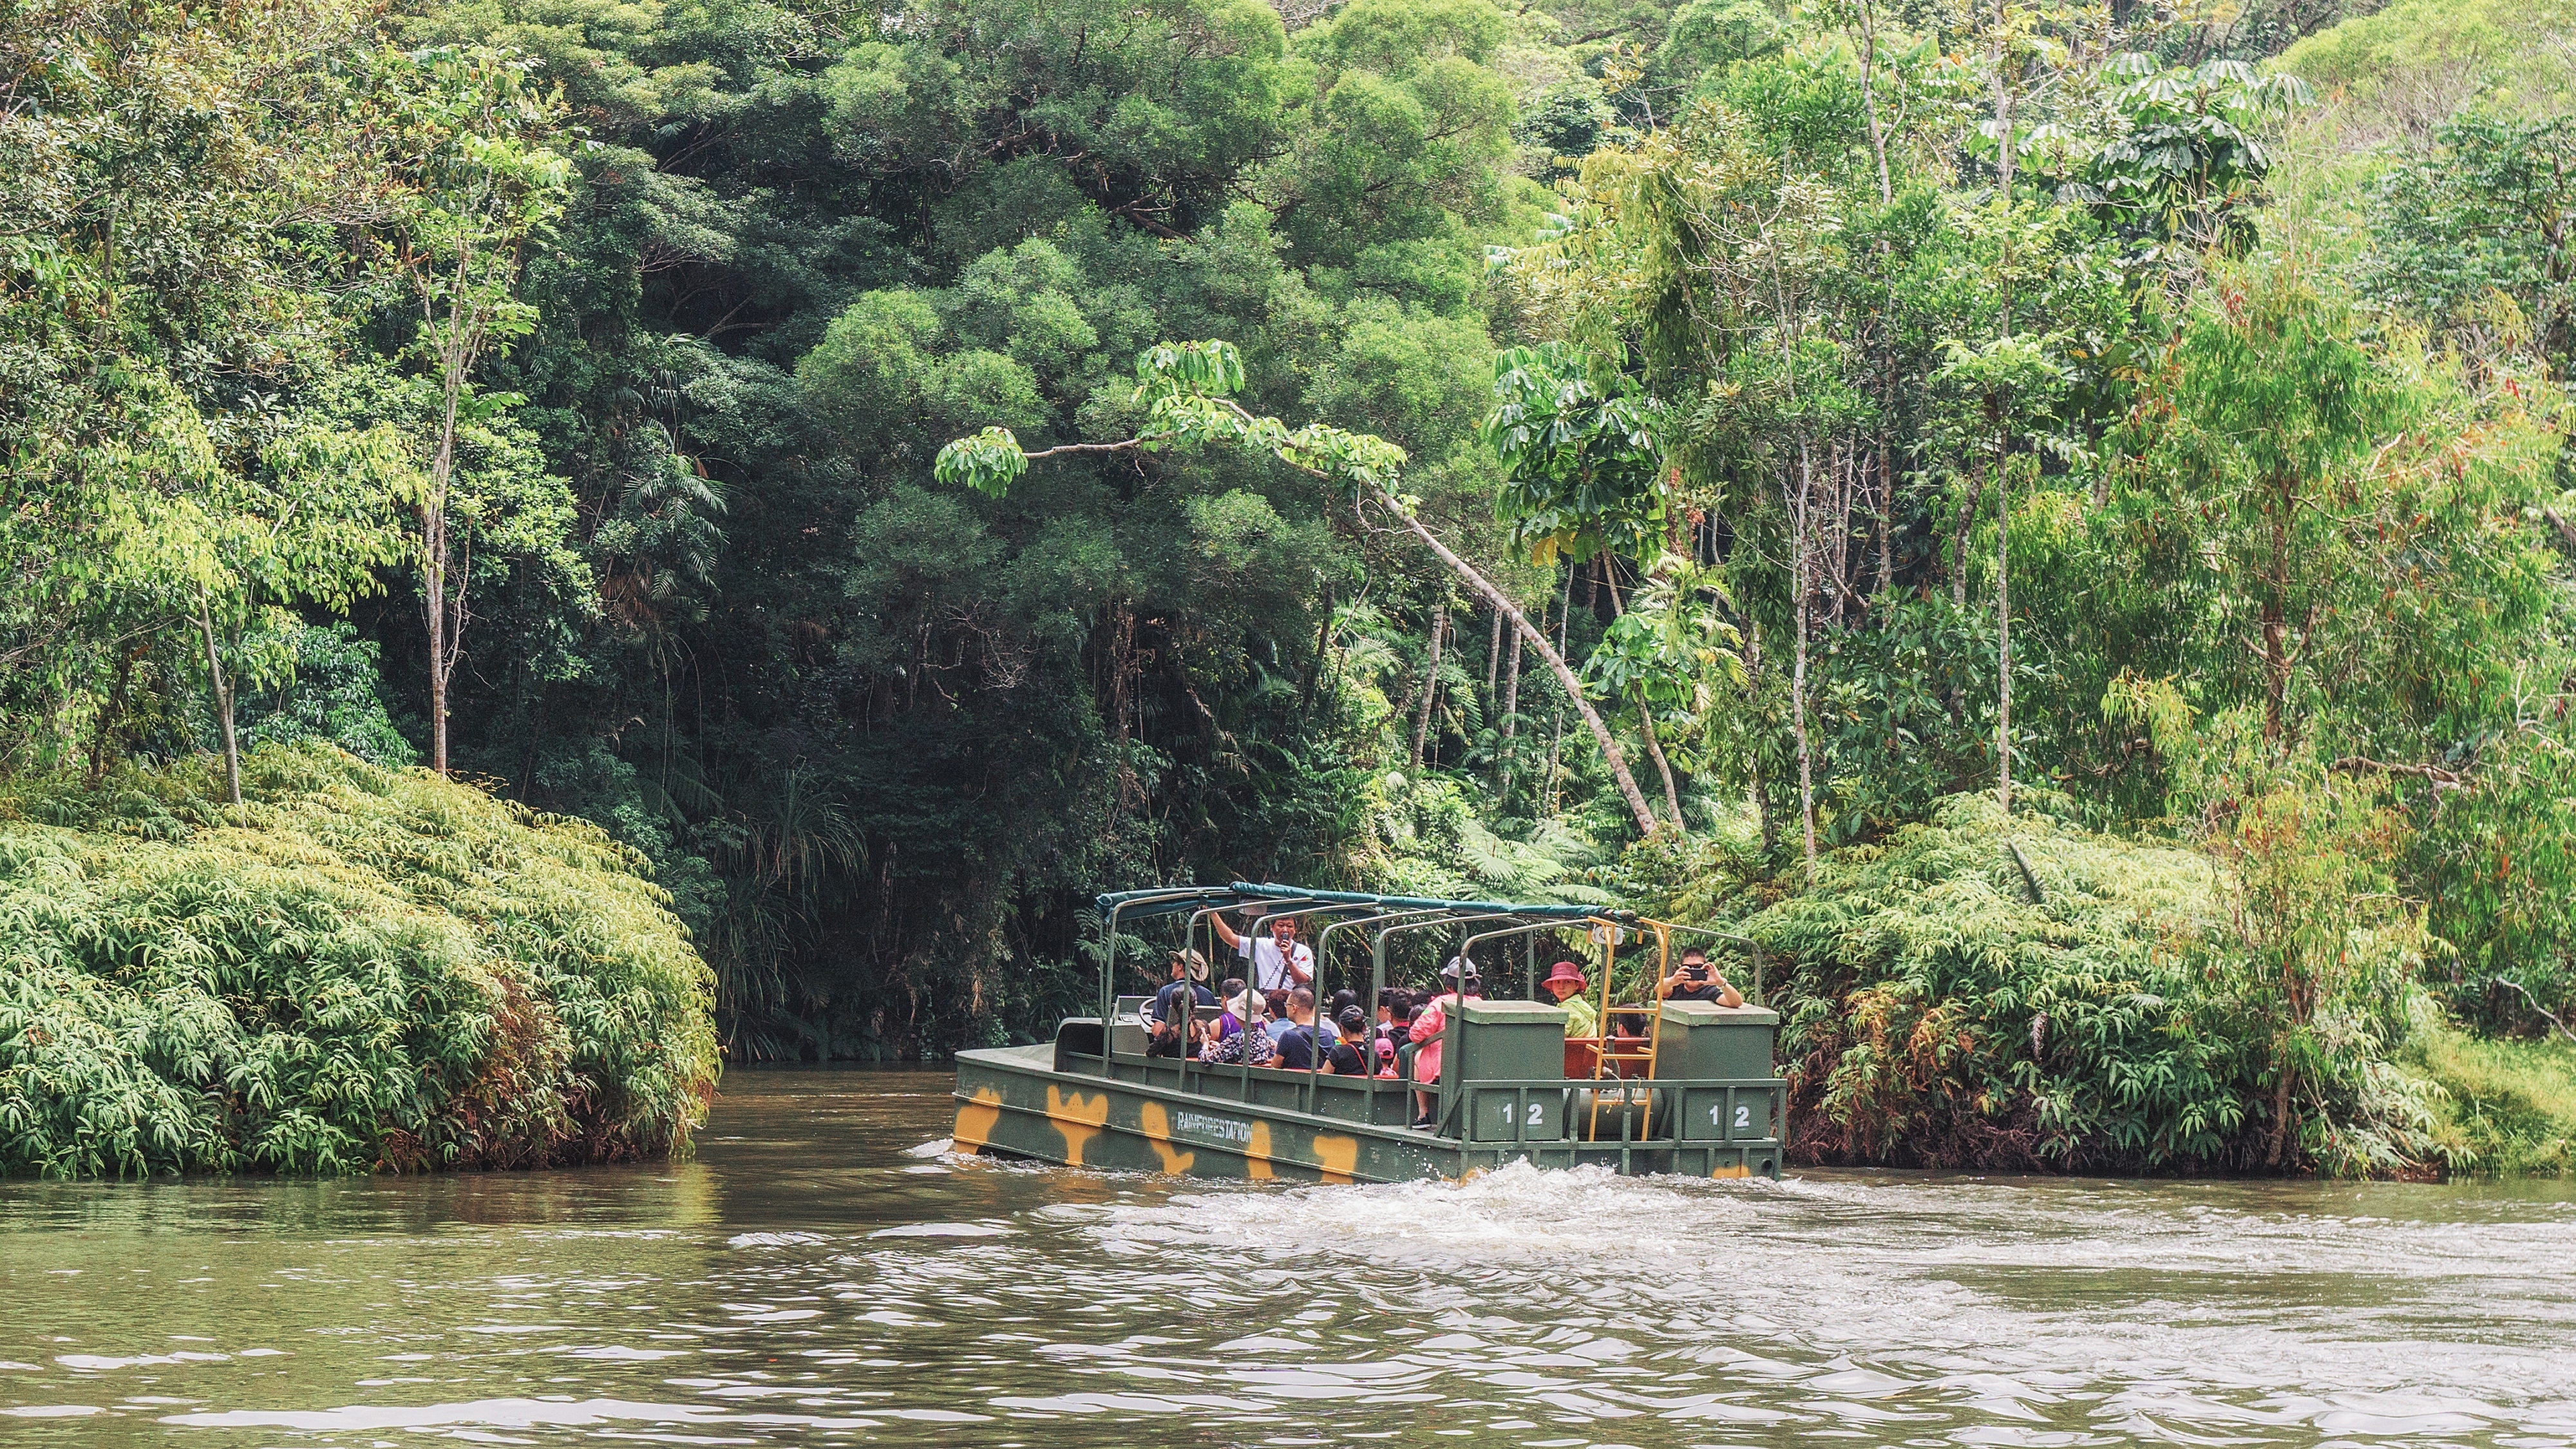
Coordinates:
815 1277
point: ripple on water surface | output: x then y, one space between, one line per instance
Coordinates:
805 1281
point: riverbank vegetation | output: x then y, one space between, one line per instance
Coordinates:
2056 525
352 969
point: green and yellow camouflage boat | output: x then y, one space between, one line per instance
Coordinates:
1671 1086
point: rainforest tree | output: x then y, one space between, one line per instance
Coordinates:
1655 452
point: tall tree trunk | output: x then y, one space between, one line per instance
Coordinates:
1511 716
1655 752
433 573
1798 671
1846 462
1869 100
1493 659
1886 516
1761 784
1887 354
1430 682
2004 100
1323 645
1959 535
446 620
2003 634
221 689
1556 716
1611 754
2276 616
102 741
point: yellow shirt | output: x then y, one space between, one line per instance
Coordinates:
1581 1017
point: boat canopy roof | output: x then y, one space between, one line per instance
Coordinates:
1162 900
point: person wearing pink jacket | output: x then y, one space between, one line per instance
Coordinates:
1427 1028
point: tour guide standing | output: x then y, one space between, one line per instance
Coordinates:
1278 964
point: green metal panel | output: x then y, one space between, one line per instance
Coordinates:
1509 1041
1704 1039
1010 1100
1127 1028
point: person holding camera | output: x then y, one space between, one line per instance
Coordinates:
1693 980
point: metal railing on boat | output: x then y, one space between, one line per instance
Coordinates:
1384 920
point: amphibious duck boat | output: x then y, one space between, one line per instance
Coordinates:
1675 1086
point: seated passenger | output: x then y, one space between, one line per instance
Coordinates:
1227 1023
1175 1006
1237 1035
1274 1014
1331 1016
1394 1014
1694 981
1342 1058
1297 1043
1565 982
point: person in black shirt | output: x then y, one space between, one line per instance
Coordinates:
1694 981
1342 1057
1394 1013
1168 1026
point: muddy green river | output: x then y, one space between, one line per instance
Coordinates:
821 1274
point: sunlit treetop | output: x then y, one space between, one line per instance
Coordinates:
1187 389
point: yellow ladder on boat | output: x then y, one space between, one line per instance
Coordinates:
1608 934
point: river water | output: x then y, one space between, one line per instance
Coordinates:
819 1275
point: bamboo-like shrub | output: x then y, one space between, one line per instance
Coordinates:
360 969
1977 992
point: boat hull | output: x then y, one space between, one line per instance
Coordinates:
1149 1116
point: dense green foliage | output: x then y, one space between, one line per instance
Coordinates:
355 969
2500 1106
901 470
1976 992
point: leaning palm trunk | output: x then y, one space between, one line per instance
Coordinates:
1196 376
1655 752
1611 754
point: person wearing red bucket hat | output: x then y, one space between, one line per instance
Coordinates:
1565 982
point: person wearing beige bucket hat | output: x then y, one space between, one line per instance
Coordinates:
1168 1027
